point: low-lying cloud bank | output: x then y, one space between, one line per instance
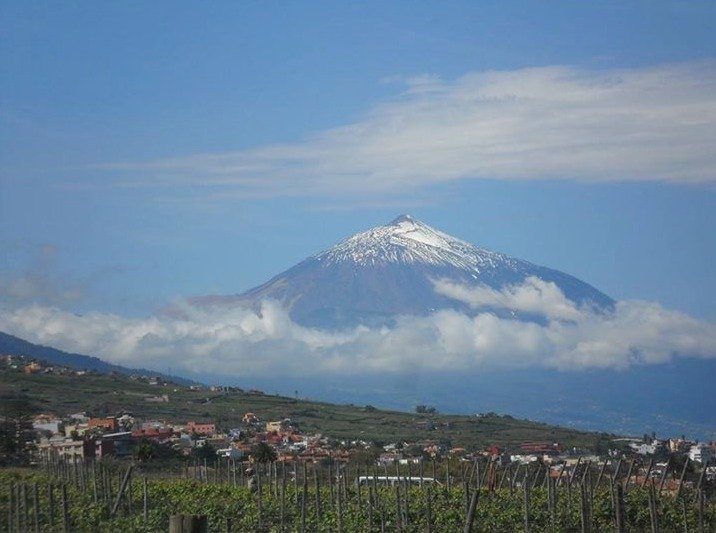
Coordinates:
557 122
239 342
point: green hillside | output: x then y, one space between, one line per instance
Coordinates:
102 394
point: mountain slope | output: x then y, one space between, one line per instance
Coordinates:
390 270
106 395
11 345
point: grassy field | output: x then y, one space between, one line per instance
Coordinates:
104 394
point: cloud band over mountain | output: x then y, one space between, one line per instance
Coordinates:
557 122
241 342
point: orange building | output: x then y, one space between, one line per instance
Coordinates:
201 428
108 424
32 368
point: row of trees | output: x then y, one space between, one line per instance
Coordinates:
150 451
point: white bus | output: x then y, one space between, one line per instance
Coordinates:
393 480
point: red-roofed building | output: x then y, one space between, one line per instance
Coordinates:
160 434
107 424
540 448
201 428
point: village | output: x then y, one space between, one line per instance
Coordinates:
266 458
122 435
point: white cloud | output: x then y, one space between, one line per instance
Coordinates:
655 123
239 342
534 295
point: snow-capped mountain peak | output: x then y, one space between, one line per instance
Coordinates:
407 240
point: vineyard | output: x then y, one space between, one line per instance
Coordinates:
440 497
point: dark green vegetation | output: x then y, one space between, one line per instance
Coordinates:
101 395
294 497
15 429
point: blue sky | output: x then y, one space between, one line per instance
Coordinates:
154 151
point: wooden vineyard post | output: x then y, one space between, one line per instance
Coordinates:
10 503
647 473
407 500
17 508
398 517
619 508
283 494
36 507
295 481
466 493
526 487
584 510
145 500
359 492
513 477
94 483
552 502
664 474
65 511
317 486
471 511
108 486
653 518
628 476
259 496
51 505
340 501
25 508
129 494
701 478
329 480
616 472
369 504
484 475
120 493
681 478
502 478
304 497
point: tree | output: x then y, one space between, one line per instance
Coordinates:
205 452
263 453
144 450
366 456
148 450
16 432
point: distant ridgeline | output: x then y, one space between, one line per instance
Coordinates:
11 345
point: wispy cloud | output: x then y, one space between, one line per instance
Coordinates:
241 342
39 282
640 124
38 278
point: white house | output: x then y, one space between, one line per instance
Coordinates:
700 453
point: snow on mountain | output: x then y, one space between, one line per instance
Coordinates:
406 240
387 271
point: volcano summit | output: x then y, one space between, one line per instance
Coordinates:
387 271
